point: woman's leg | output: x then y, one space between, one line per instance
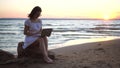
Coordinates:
44 51
46 42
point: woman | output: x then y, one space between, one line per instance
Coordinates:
32 30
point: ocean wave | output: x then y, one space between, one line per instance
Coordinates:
108 25
106 28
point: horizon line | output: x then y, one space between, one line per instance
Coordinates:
64 18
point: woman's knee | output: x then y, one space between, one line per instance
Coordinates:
39 39
45 38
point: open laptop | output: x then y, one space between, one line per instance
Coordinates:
46 32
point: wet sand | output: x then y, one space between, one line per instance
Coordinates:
102 54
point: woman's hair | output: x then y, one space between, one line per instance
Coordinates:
34 10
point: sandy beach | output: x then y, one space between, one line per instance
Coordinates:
99 54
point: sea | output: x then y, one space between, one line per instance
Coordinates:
64 30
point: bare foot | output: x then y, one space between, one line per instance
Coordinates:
48 60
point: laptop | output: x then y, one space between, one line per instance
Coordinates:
46 32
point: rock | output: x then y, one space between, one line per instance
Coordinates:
20 50
32 51
4 56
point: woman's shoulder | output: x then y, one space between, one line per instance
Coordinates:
27 20
39 20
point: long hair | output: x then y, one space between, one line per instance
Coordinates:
34 10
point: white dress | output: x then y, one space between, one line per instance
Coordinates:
34 28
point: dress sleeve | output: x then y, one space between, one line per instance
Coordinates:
27 23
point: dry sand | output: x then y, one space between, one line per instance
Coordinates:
102 54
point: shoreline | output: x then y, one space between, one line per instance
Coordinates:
82 41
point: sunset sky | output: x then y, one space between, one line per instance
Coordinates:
105 9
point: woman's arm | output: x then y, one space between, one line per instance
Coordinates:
27 31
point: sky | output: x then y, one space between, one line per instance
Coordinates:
105 9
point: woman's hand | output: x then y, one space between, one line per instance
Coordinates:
39 32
